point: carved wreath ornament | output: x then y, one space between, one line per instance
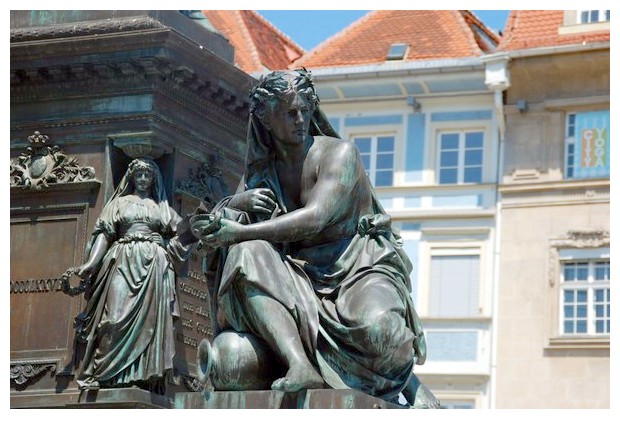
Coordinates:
70 290
41 165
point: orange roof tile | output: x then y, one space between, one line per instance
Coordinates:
258 44
526 29
430 34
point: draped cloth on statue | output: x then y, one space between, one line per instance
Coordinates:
319 282
128 322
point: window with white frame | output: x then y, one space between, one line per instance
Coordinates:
569 145
592 16
377 154
585 301
460 157
454 285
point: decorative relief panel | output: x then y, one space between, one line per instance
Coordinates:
22 373
42 164
205 184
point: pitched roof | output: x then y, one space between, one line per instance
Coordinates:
526 29
258 44
429 34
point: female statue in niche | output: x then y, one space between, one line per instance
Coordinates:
131 259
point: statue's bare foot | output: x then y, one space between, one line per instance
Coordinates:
298 378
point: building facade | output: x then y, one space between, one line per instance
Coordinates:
553 316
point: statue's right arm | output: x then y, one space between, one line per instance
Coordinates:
98 251
328 203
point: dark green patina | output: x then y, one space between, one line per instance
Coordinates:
309 263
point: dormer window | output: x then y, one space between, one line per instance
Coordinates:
593 16
584 21
397 51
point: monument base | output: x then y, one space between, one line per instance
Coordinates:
129 397
271 399
133 397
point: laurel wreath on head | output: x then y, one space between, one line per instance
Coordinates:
66 286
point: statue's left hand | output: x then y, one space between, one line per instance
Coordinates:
229 232
84 270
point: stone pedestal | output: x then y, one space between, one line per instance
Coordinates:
270 399
133 397
129 397
95 89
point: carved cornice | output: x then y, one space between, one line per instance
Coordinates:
26 371
583 238
176 81
88 28
574 239
41 165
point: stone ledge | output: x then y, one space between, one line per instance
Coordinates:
130 397
270 399
133 397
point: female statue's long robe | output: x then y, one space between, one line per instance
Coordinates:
128 322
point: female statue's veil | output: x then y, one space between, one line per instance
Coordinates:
126 187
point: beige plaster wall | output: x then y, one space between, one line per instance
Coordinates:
539 206
530 374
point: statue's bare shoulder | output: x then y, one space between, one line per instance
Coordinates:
331 151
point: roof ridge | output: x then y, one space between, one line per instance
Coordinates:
334 38
471 38
511 24
474 24
488 31
238 14
279 32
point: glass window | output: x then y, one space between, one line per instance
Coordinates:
591 16
377 154
569 144
461 157
585 298
397 51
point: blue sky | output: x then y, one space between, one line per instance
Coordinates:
308 28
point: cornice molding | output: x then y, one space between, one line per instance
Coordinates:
552 185
87 28
176 81
556 195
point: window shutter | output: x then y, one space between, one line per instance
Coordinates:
454 286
